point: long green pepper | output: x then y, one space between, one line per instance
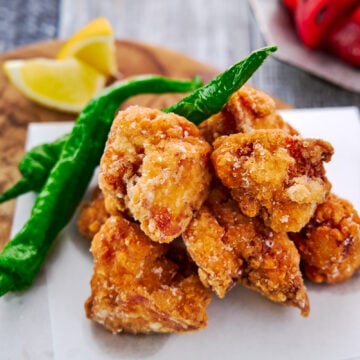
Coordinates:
211 98
23 256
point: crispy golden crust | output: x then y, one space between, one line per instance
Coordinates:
230 247
330 244
157 166
92 215
248 109
205 240
272 266
156 170
275 175
140 286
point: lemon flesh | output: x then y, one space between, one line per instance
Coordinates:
65 85
94 44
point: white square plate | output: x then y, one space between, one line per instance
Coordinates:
48 321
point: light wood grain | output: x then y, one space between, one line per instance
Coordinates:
211 31
216 32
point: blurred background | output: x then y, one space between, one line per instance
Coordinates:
216 32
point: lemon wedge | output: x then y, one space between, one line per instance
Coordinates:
94 44
65 85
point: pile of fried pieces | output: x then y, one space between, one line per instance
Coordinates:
183 211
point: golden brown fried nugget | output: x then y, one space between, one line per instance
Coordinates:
157 166
140 286
230 247
330 244
92 215
205 240
275 175
255 110
248 109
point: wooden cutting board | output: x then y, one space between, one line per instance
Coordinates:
16 112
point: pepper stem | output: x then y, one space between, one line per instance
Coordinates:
21 187
6 283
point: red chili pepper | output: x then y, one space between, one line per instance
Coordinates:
290 5
315 18
344 40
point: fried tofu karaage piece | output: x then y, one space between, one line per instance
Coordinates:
92 215
329 244
275 175
141 286
230 247
157 166
248 109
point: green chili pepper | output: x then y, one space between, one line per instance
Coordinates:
37 163
35 167
68 179
23 256
210 99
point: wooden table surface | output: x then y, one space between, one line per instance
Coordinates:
213 31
